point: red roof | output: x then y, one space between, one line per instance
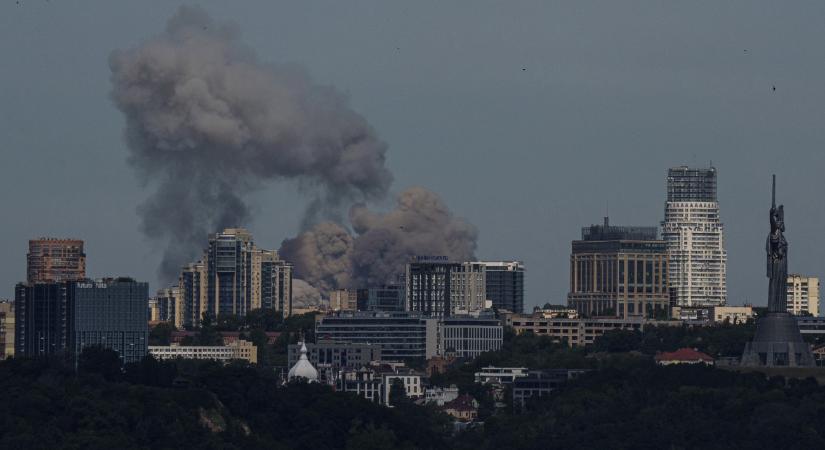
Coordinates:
683 354
462 403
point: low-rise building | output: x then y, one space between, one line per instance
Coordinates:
577 332
733 314
469 336
400 335
439 396
537 383
683 356
463 408
499 375
375 384
241 350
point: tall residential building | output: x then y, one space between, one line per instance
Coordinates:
42 319
803 295
6 329
441 288
505 285
276 282
234 276
170 307
192 285
619 271
55 260
229 272
111 313
695 239
388 297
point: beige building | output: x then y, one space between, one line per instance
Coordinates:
733 314
6 329
343 300
577 332
169 305
618 271
234 276
803 295
468 288
240 349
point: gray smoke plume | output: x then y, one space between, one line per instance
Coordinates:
327 257
322 256
304 295
207 123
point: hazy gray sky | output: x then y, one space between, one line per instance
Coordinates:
528 118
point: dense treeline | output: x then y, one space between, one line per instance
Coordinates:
626 401
724 340
677 407
190 404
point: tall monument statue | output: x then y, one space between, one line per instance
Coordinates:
777 342
777 249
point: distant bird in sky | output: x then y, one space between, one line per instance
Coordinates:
524 69
773 88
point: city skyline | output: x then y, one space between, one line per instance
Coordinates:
722 110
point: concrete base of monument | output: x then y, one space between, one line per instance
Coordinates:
777 343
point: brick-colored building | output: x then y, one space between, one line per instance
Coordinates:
55 260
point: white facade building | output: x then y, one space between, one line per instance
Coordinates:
697 266
237 350
468 288
803 295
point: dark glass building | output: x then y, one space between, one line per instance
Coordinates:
42 319
619 271
505 285
63 318
386 298
111 313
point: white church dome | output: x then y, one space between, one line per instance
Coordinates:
303 368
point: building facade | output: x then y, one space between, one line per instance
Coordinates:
803 295
577 332
192 286
6 329
619 271
694 233
469 337
335 355
169 303
111 313
343 300
238 350
390 298
233 277
42 319
440 288
505 285
400 335
55 260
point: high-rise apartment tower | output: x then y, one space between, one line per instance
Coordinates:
55 260
695 239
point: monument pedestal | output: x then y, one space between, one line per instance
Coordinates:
778 343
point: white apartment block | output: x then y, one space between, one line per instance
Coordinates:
803 295
237 350
697 266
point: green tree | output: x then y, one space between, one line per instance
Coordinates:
100 360
398 394
161 334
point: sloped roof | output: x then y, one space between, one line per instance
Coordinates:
462 403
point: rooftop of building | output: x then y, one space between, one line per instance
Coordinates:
607 232
464 402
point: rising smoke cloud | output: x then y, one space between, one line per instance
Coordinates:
207 123
327 257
